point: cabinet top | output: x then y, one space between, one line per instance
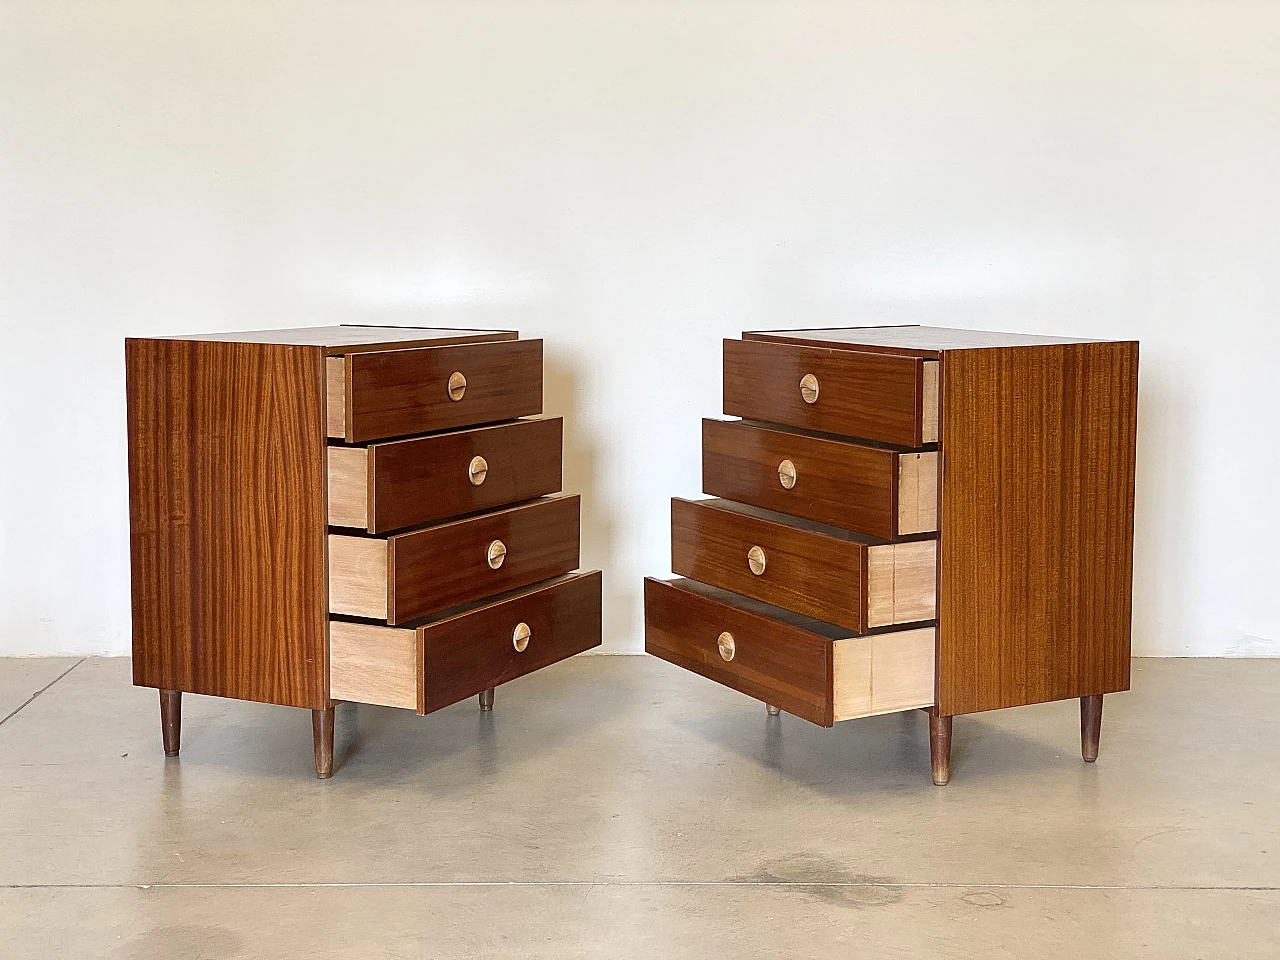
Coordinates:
353 338
913 340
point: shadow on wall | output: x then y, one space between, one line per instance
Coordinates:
581 476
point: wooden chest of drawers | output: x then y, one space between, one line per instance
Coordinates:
910 517
347 514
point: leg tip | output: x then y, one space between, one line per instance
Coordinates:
171 754
772 710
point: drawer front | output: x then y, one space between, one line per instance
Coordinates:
869 395
461 562
465 654
763 557
394 393
847 485
406 483
786 664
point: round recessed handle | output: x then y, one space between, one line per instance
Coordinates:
724 643
809 388
478 469
787 474
520 637
756 560
457 385
496 554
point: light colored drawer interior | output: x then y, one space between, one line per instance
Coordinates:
374 664
883 673
349 486
918 492
902 582
359 576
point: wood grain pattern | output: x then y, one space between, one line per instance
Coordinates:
780 658
447 565
348 496
902 581
394 393
374 664
870 395
335 375
356 338
424 479
171 721
883 673
1036 539
227 519
917 492
844 484
467 653
358 577
929 407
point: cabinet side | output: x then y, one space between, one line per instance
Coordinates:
227 519
1036 532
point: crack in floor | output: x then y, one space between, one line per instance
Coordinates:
31 699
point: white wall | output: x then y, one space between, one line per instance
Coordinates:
633 182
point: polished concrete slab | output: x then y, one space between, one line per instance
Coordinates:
617 806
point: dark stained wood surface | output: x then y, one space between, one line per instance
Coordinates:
322 741
912 341
1036 535
870 395
447 565
468 653
394 393
171 721
424 479
354 338
1090 726
228 519
845 484
778 658
819 574
940 746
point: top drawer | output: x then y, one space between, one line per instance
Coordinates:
892 399
394 393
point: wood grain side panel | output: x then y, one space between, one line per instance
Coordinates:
348 498
929 402
425 479
774 661
373 664
447 565
805 571
846 485
358 577
917 492
884 673
335 374
473 651
399 392
902 582
227 519
868 395
1036 539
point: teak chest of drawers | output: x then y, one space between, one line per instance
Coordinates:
910 517
347 513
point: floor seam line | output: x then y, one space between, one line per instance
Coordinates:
31 699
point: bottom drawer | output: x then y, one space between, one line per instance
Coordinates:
811 669
430 664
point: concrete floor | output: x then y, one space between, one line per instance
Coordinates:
619 807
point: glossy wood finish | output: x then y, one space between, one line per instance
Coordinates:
906 340
227 491
424 479
853 486
1090 726
940 746
322 738
1036 543
874 396
486 700
472 651
394 393
171 721
356 338
844 578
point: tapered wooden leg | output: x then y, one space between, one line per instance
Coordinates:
486 699
171 721
1090 726
940 746
772 710
322 735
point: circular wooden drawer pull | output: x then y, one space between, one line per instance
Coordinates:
497 554
458 386
479 469
724 643
756 560
809 388
787 474
520 637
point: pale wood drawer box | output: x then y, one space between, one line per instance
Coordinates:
401 475
910 517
